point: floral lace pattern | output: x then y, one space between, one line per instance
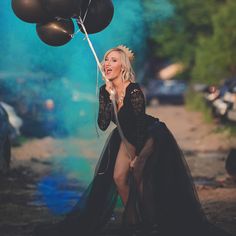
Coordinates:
105 109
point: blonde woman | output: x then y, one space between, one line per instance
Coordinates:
141 162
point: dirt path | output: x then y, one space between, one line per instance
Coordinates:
205 152
197 139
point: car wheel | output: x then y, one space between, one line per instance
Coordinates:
5 156
7 152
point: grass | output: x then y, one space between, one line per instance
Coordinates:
229 129
195 101
19 141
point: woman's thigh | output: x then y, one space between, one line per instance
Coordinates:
122 164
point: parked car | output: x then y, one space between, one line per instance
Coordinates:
14 120
213 92
5 145
166 91
39 118
222 99
230 98
225 100
33 103
231 115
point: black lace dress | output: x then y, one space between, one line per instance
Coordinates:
162 199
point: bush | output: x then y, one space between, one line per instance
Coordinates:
195 101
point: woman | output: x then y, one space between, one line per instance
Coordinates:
141 162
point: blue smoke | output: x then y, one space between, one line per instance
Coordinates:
157 10
23 53
67 74
61 189
56 193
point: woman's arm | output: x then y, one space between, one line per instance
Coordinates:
105 109
138 105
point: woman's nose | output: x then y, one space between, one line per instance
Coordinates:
107 63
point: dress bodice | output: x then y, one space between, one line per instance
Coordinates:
132 117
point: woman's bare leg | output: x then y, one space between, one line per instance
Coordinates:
121 171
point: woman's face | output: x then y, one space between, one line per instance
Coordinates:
112 65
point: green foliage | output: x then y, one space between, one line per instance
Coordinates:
176 38
228 129
208 68
19 141
202 35
195 101
216 55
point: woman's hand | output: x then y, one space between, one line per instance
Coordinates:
110 89
137 172
132 163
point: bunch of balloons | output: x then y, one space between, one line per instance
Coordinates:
53 18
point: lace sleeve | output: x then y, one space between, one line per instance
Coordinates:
105 109
138 104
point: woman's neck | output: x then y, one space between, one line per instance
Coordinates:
118 83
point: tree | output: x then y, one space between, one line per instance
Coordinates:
216 55
178 36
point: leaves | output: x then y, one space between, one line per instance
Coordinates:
201 34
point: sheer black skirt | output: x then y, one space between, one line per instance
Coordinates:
162 193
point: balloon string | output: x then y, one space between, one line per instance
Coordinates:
119 128
91 46
85 15
66 19
73 35
112 95
95 114
97 81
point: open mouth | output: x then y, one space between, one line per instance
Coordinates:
108 71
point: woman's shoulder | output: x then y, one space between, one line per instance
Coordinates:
102 87
134 87
103 91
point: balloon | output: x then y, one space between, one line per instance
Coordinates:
29 10
61 8
99 15
56 32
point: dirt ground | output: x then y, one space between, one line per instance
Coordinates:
204 148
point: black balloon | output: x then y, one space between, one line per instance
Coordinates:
29 10
99 15
61 8
56 32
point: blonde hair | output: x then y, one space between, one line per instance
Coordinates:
127 69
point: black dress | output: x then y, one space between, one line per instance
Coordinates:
162 200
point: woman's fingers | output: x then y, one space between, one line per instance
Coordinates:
132 163
109 87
